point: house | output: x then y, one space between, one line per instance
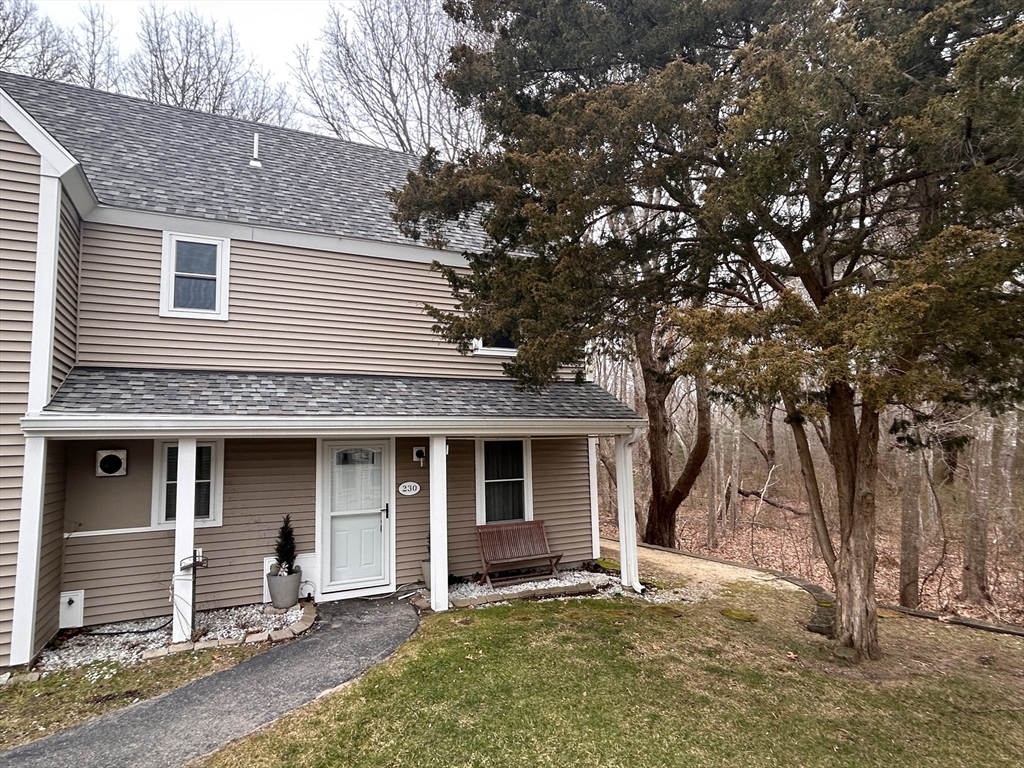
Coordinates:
210 323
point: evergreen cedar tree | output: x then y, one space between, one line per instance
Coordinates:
285 546
824 199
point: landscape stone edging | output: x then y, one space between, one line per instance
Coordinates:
303 623
571 590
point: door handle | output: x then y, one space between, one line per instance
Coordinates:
386 509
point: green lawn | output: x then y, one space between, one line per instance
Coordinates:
30 711
628 684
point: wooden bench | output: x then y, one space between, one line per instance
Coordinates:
510 546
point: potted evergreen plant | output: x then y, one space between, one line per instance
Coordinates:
285 577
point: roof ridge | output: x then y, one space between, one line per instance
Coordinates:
205 115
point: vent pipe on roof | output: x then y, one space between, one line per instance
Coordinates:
255 162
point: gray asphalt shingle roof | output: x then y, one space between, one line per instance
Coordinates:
240 393
151 157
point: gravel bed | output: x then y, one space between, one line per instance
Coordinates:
564 579
607 587
132 638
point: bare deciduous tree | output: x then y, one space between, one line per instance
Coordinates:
188 61
977 515
30 44
97 63
378 78
910 532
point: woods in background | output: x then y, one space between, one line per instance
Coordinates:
950 521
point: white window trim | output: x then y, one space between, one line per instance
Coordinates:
481 507
160 485
167 308
480 349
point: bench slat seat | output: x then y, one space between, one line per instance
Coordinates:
504 546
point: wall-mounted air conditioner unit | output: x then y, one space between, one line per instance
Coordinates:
111 463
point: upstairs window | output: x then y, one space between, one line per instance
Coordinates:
194 277
498 344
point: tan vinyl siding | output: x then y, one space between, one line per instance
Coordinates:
19 223
52 546
561 487
290 309
125 576
463 551
109 503
263 481
412 513
561 498
66 310
561 495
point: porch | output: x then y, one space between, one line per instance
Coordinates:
125 541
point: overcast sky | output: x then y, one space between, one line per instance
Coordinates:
267 29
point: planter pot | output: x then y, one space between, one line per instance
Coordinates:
425 569
284 590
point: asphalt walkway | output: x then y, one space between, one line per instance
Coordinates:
200 717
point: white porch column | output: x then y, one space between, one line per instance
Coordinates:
184 539
438 458
595 523
627 511
30 534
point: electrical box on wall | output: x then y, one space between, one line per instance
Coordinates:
72 609
111 463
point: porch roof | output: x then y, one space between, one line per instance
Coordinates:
144 391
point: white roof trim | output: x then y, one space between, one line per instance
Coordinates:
314 241
95 425
56 161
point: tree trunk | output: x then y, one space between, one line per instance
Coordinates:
712 537
975 574
733 499
665 495
803 449
853 451
1007 454
910 533
947 419
769 436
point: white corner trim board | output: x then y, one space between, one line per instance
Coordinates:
30 532
44 303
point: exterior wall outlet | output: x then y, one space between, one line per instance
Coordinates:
72 609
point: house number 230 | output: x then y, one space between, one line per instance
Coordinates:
409 489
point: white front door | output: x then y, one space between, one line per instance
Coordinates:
356 525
